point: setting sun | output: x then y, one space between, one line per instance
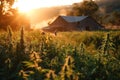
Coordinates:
27 5
24 5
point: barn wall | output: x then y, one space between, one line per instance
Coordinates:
62 25
59 22
89 24
86 24
72 25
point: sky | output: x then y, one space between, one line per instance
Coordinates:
26 5
56 2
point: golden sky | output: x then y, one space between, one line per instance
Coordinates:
27 5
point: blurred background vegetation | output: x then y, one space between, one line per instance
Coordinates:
106 12
11 17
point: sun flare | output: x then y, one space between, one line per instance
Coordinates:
27 5
23 5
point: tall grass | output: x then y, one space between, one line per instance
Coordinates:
67 56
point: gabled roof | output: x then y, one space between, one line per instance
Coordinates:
73 18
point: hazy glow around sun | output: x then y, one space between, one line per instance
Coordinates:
27 5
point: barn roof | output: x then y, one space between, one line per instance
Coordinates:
74 18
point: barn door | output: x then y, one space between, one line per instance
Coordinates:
87 28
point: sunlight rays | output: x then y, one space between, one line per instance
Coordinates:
27 5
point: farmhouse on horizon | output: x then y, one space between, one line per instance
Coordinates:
74 23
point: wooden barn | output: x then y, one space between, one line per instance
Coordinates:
71 23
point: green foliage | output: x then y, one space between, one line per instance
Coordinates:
85 8
67 72
22 46
5 4
67 56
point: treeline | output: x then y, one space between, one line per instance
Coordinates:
109 5
109 12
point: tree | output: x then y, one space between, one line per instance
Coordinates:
116 17
85 8
10 16
5 5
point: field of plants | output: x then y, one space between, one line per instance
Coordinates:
36 55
